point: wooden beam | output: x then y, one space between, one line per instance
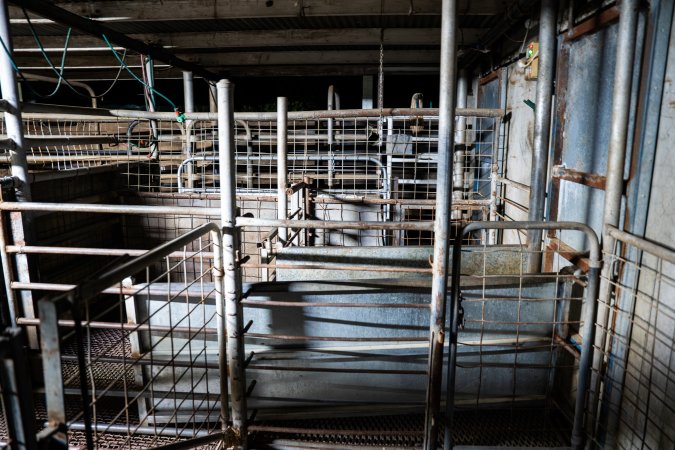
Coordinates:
246 39
231 59
154 10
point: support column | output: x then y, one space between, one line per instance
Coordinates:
439 284
189 105
542 127
232 271
19 223
614 184
282 165
459 171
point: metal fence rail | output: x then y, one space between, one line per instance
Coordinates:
637 402
141 365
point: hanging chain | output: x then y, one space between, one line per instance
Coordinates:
380 75
380 90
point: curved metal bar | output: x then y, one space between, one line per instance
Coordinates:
248 158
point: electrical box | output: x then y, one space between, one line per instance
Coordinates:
532 61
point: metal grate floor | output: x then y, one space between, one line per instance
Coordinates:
494 428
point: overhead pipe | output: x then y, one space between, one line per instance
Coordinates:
542 127
85 86
439 284
614 183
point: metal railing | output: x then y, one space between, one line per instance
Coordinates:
143 363
637 401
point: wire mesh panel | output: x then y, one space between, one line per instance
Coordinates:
148 357
638 403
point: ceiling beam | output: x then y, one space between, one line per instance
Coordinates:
307 59
178 42
152 10
94 28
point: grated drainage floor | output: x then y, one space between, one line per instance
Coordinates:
495 428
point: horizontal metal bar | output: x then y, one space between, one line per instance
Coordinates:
327 431
266 303
515 184
58 112
333 224
282 337
351 267
131 429
86 251
109 209
575 176
658 250
595 254
25 321
336 370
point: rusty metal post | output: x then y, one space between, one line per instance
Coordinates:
439 284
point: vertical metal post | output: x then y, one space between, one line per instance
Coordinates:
492 233
542 126
13 122
232 271
10 93
17 392
217 240
459 152
189 105
51 362
587 354
442 222
616 159
150 71
282 165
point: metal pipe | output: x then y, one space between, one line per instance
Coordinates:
542 127
189 106
614 183
232 276
13 119
459 154
249 153
85 86
299 157
43 111
108 209
334 224
150 73
282 165
439 283
656 250
220 323
8 275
